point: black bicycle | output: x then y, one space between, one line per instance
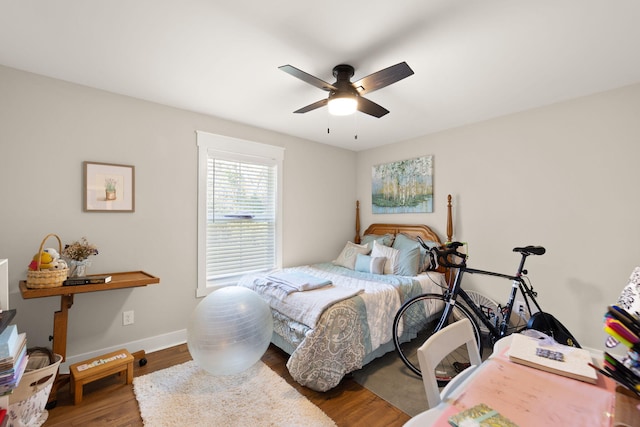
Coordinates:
425 314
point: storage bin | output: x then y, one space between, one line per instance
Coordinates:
27 402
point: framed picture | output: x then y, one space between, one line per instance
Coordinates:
108 187
405 186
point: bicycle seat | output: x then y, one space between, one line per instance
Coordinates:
531 250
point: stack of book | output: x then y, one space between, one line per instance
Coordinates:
556 358
87 280
13 358
625 328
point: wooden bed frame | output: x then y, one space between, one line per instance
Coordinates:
411 230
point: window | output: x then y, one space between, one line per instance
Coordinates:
239 205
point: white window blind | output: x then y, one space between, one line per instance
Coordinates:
242 218
239 203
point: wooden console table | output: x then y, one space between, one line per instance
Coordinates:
130 279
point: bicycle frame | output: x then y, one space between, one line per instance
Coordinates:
518 283
413 310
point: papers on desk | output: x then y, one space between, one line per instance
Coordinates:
575 363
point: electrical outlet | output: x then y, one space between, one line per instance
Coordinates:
127 318
520 309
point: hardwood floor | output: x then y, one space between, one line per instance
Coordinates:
110 402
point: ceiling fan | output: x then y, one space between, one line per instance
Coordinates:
346 97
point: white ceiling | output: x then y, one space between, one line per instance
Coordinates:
473 60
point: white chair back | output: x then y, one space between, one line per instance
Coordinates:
440 345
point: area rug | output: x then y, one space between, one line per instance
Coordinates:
391 380
186 395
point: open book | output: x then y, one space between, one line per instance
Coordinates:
559 359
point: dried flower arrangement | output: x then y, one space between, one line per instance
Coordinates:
79 250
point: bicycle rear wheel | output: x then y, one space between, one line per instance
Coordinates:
418 319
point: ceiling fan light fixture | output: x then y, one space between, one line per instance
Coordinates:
346 97
342 105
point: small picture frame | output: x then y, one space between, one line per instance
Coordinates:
108 187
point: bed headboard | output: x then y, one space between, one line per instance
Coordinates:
412 230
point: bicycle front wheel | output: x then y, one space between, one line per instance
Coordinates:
418 319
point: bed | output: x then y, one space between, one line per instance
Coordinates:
339 318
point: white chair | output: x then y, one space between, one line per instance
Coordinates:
431 353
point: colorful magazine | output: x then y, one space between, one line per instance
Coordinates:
482 416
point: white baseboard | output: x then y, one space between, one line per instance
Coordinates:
149 345
171 339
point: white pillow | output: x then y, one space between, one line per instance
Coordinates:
390 254
347 257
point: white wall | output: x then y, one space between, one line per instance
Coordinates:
574 193
565 177
49 127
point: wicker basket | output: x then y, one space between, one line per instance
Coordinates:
39 279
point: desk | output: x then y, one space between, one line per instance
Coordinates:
528 396
130 279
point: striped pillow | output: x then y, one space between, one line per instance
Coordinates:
369 264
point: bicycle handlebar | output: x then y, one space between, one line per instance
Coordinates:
451 250
444 253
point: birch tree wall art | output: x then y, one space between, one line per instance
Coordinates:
404 186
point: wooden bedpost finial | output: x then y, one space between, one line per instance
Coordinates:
449 220
357 238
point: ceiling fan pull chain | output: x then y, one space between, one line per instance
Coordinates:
355 127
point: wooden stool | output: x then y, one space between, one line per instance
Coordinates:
94 369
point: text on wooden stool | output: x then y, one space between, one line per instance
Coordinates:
99 362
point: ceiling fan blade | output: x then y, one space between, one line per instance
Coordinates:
313 106
307 78
383 78
371 108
